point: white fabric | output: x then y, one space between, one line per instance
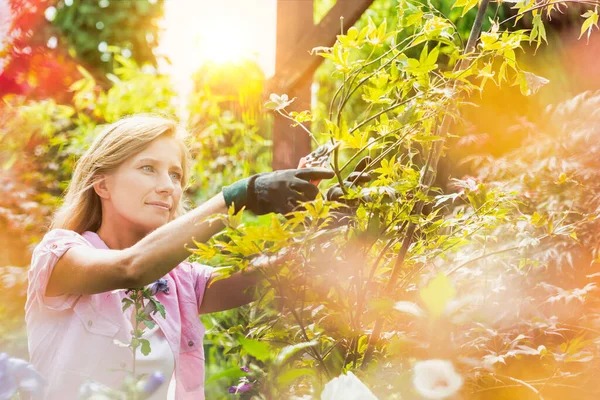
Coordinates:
160 359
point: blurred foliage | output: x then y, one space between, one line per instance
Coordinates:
497 274
231 136
383 10
41 140
96 30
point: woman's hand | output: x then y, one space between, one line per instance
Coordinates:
277 191
356 178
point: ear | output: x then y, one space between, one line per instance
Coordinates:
101 188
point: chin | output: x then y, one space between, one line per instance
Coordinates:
154 223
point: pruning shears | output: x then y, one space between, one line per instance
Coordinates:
319 157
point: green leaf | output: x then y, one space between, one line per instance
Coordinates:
150 324
437 294
538 31
159 307
257 349
289 376
145 346
234 372
288 351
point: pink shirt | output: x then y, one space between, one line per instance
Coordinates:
71 337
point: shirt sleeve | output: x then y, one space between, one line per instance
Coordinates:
201 274
45 256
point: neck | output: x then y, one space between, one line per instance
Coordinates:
119 236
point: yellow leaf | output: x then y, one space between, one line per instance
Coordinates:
467 4
437 294
573 235
589 23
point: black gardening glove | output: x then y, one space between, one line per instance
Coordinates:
277 191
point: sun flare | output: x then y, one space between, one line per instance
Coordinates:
195 33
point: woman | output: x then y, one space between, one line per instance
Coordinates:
123 225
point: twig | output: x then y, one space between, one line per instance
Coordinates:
427 180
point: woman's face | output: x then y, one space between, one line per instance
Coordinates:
145 190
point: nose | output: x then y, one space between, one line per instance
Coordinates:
165 184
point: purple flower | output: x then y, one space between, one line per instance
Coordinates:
154 381
245 369
149 308
241 388
161 285
18 374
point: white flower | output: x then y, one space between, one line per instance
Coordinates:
278 102
346 387
436 379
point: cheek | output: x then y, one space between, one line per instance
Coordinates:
177 194
130 189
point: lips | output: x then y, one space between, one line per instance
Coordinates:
160 204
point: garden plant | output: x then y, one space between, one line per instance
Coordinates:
397 282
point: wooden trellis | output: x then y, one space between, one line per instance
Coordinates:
295 66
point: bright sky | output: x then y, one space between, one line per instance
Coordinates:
200 30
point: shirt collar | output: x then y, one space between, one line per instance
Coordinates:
94 239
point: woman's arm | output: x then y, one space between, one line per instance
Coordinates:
83 270
234 291
238 289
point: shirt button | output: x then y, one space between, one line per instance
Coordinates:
190 343
123 364
90 323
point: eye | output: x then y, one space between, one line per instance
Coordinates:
147 168
176 176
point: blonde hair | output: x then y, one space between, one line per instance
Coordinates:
82 209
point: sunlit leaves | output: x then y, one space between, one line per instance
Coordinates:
425 64
568 295
301 117
538 31
377 35
340 56
83 89
486 73
353 38
576 350
437 294
466 4
378 90
436 26
591 21
257 349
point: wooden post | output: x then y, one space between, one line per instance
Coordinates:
294 66
294 19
